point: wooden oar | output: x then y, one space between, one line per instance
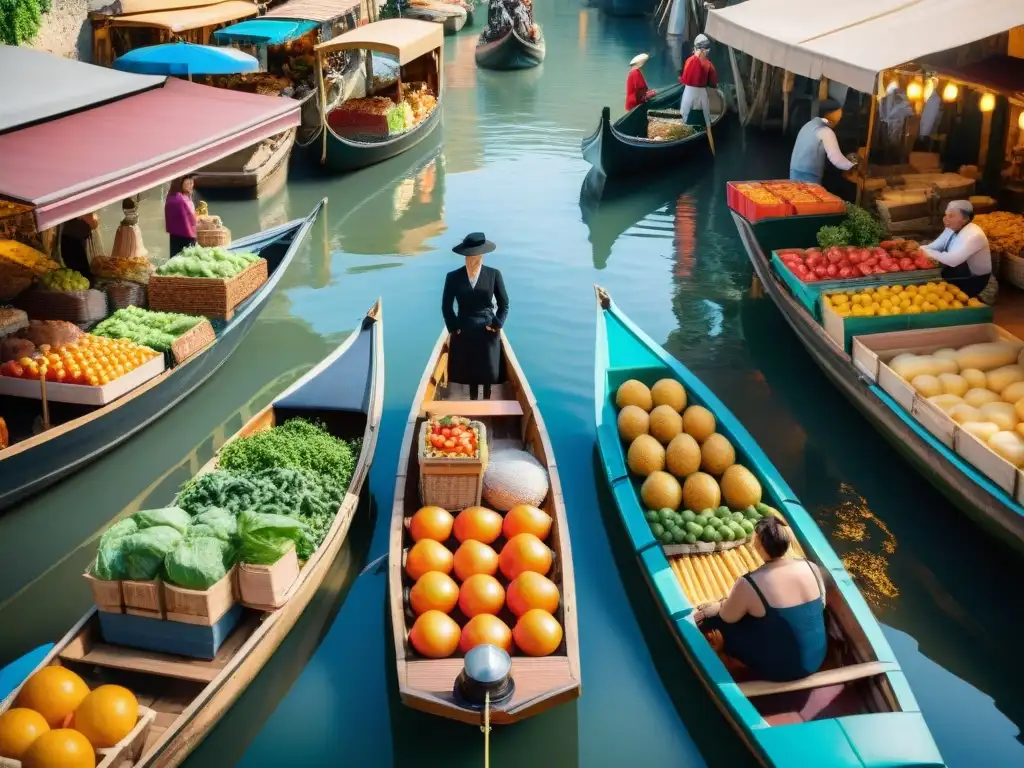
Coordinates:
707 118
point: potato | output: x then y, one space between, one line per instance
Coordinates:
963 413
945 402
1013 393
922 365
982 430
1009 445
974 377
978 397
988 355
953 384
948 353
1002 414
928 386
1000 378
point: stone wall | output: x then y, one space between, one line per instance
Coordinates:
66 31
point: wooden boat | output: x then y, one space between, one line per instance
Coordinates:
982 500
858 710
346 392
622 148
82 434
261 169
512 419
419 48
450 16
511 52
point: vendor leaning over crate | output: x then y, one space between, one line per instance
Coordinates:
817 141
963 250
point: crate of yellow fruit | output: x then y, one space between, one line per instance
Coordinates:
897 307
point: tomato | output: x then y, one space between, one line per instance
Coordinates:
456 431
811 278
893 267
906 265
821 271
813 261
802 270
832 270
871 261
449 444
845 272
446 432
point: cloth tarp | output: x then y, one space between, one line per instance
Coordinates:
851 42
185 59
405 39
264 31
313 10
47 86
79 163
189 18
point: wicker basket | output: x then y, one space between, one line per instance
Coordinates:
79 307
211 238
124 293
207 296
1013 269
199 337
452 484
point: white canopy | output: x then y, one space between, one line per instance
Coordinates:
851 41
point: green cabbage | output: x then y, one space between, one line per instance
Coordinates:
142 554
266 538
199 562
171 516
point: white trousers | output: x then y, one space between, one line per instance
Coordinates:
695 98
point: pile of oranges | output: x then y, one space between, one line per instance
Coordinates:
476 607
57 722
91 360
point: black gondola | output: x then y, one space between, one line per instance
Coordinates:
511 52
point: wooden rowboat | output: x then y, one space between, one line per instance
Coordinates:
261 169
81 434
982 500
622 148
511 52
512 419
858 710
450 16
346 392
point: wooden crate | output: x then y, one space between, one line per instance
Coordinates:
985 460
126 752
452 484
82 393
204 607
106 594
844 329
143 598
207 296
195 641
198 338
268 587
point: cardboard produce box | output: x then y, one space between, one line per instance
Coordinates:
83 393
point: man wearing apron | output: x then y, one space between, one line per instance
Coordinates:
697 76
963 251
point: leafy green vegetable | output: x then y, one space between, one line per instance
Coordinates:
219 488
266 537
171 516
830 236
142 553
109 563
199 261
220 522
864 229
156 330
199 562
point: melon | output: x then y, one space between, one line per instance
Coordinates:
633 421
661 490
645 455
514 477
665 424
700 492
683 457
634 392
717 454
669 392
698 422
740 488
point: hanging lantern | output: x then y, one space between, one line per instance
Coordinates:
914 91
987 102
1020 120
950 92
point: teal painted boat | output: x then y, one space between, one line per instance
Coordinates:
988 504
859 709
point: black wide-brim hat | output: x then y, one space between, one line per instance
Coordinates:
474 244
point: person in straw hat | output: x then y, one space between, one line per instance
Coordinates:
637 91
474 353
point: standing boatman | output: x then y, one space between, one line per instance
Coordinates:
697 76
637 91
817 141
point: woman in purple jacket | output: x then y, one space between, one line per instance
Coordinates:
180 214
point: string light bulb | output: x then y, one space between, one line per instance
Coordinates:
950 92
987 102
1020 120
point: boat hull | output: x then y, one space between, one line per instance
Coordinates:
73 446
342 156
511 52
452 17
615 151
973 494
266 179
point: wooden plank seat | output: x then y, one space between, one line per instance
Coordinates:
473 409
819 679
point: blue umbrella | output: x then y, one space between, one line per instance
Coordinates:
185 60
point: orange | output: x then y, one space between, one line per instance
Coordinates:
63 748
106 715
478 523
524 552
485 629
18 729
537 633
435 591
435 635
524 518
431 523
54 692
481 594
532 590
428 555
472 557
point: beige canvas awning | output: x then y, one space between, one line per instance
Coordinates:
189 18
405 39
312 10
851 42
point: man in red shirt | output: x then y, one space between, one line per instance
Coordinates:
636 86
698 75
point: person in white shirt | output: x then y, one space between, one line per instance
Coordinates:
963 251
815 142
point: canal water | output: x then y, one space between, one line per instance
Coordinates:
507 162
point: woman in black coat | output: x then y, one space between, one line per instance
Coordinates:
474 355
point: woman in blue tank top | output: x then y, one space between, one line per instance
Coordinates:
773 620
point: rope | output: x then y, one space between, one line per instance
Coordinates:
486 728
